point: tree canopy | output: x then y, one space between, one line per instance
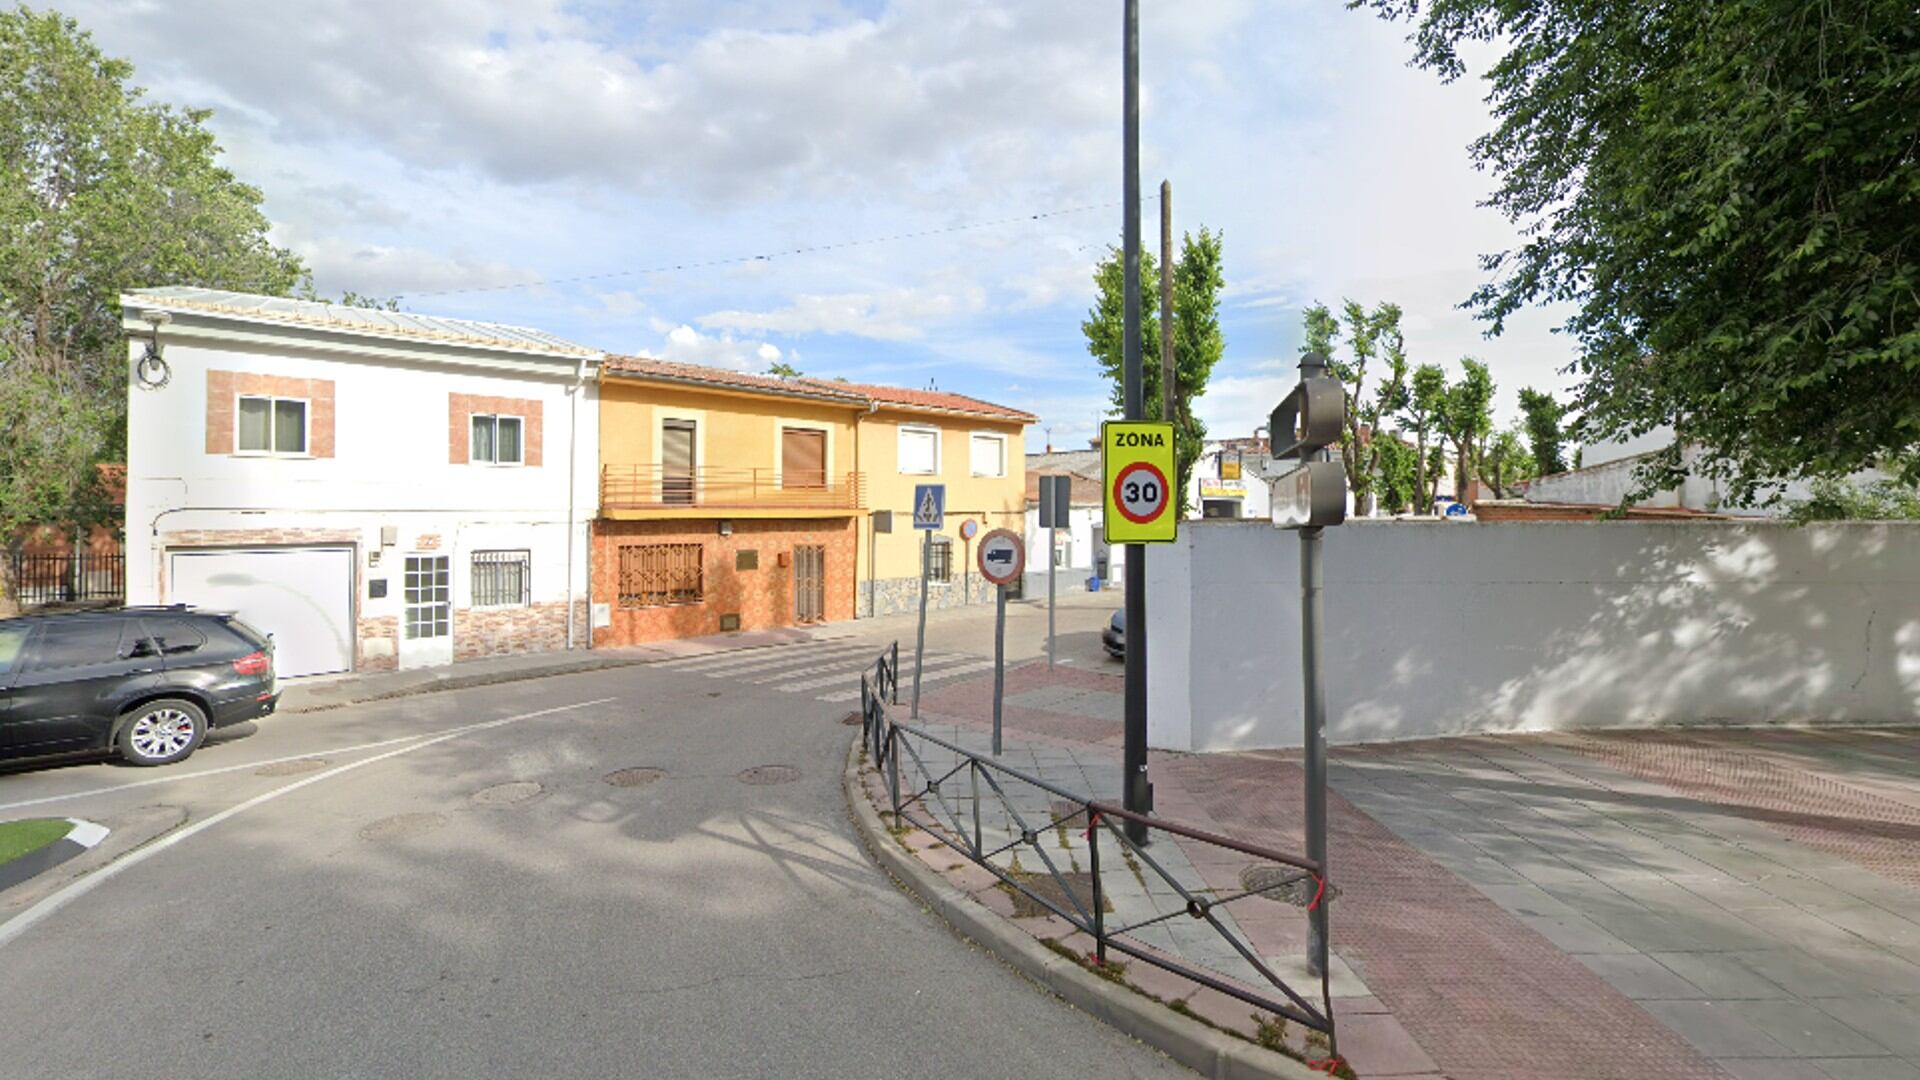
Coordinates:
1198 344
1729 194
1542 416
100 191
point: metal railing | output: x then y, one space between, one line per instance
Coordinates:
68 577
659 487
922 802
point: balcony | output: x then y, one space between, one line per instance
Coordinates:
655 491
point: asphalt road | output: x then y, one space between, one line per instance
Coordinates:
395 912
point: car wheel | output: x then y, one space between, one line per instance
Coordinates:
162 732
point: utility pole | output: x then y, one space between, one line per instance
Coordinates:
1168 391
1136 793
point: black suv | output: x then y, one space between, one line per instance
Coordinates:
147 683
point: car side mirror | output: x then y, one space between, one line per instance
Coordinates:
139 650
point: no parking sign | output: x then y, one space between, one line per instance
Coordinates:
1138 463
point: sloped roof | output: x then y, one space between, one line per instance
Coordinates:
404 325
930 400
1081 490
645 367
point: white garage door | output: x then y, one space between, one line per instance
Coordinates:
302 596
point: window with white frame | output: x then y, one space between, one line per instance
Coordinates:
502 578
271 425
495 440
919 450
989 454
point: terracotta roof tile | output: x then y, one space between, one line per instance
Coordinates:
645 367
933 400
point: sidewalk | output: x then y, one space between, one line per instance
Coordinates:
1647 904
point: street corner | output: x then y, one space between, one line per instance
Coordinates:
87 847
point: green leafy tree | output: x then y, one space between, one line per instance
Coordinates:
1371 335
1508 463
1727 194
1834 499
1466 420
1198 344
1542 421
1426 397
1397 474
783 370
100 191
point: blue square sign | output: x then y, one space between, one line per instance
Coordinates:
929 505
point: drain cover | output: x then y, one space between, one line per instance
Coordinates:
507 794
634 777
1285 884
401 826
291 768
768 774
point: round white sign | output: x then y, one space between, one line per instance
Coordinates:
1003 556
1140 492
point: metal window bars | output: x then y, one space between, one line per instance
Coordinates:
919 798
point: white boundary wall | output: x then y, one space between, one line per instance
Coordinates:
1442 628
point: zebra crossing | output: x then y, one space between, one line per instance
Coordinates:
825 670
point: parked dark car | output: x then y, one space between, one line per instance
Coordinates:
1114 637
144 683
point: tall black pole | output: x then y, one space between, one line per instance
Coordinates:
1136 794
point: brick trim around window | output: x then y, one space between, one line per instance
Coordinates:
224 387
460 410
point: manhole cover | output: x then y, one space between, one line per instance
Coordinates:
507 794
1285 884
401 826
852 719
291 768
768 774
634 777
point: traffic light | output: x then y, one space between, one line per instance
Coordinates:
1313 493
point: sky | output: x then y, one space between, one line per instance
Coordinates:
903 191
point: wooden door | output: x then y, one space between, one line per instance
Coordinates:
676 462
803 458
809 583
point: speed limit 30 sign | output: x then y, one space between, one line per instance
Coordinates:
1138 462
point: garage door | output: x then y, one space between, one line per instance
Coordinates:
302 596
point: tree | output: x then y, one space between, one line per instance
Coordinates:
1466 420
1508 463
1397 476
1543 416
100 191
1729 194
783 369
1370 334
1426 397
1197 341
1838 500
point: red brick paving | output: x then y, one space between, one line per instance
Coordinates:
1776 781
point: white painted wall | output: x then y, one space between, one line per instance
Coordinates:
1079 539
390 466
1444 628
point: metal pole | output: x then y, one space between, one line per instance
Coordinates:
1169 391
1053 565
920 644
999 662
1136 794
1314 738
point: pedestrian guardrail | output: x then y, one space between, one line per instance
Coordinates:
919 794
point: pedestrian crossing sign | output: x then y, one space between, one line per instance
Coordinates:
929 505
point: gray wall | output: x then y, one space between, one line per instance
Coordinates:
1445 628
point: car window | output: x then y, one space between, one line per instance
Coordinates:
12 640
254 638
175 637
76 644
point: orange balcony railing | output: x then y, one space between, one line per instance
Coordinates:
658 487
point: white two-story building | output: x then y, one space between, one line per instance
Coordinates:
375 489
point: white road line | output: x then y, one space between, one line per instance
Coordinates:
747 656
845 663
787 665
770 658
933 661
38 913
907 680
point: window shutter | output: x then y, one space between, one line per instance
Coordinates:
918 451
803 459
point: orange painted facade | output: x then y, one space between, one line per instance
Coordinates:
758 589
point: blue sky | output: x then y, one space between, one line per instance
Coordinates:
445 150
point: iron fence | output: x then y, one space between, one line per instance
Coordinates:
919 798
68 578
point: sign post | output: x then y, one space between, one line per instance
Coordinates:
1137 466
929 511
1003 558
968 530
1054 507
1309 497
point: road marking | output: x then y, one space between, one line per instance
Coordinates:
844 663
931 677
74 890
749 656
792 654
933 661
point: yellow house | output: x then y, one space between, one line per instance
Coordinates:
734 501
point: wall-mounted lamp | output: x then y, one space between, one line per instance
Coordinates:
152 371
726 528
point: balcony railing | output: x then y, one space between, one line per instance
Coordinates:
657 487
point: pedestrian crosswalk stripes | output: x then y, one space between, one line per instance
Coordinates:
829 670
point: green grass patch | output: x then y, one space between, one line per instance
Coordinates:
19 838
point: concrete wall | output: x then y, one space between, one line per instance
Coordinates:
1438 629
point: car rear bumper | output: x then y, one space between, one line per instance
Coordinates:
1115 644
241 709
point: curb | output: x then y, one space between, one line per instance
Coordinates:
84 836
1187 1041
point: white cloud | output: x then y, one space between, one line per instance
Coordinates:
892 315
689 346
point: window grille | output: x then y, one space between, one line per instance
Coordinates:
653 575
502 578
940 560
